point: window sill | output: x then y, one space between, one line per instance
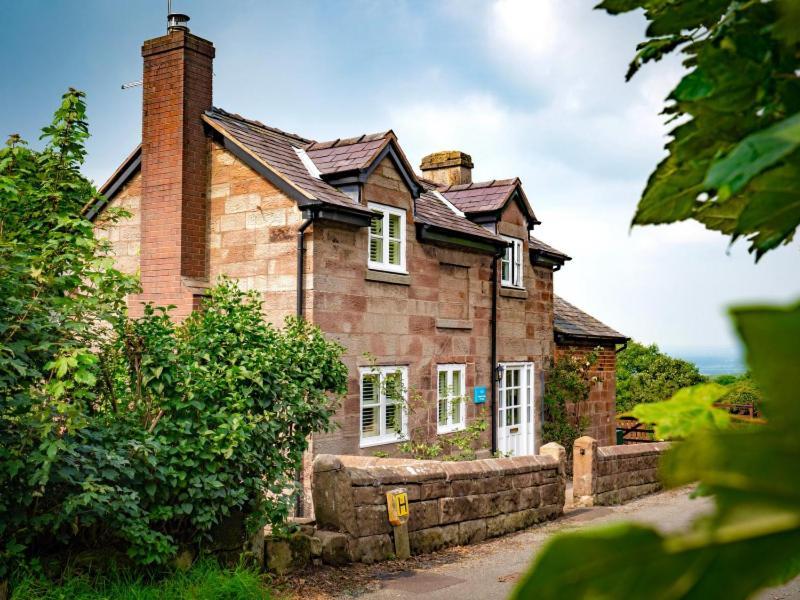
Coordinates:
454 323
388 277
511 292
450 429
382 441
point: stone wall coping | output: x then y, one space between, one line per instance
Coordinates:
610 452
336 462
383 475
366 470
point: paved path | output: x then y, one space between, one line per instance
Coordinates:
491 569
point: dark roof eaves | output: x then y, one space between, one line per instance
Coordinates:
563 337
490 244
127 169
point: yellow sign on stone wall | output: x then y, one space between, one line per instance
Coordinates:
397 503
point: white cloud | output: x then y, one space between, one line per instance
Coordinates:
528 27
584 141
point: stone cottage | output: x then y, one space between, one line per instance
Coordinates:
432 282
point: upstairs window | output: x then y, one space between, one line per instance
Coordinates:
383 405
451 409
387 239
511 264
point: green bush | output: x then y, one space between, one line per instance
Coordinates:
645 374
137 434
742 390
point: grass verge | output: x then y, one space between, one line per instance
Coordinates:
206 580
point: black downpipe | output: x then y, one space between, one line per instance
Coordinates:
301 255
493 366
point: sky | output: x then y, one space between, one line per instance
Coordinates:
529 88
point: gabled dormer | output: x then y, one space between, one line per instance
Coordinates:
481 202
347 163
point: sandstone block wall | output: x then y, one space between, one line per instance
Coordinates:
451 503
605 475
125 235
439 313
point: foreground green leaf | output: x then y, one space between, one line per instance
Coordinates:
733 163
754 154
689 411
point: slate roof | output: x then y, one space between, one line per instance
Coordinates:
539 245
430 210
571 322
277 151
277 148
486 196
348 154
483 196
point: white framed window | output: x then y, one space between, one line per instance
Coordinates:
451 407
511 264
384 418
387 239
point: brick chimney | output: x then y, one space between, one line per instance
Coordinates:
450 167
174 212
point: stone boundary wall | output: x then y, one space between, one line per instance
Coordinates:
450 503
605 475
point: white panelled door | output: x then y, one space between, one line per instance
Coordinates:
515 409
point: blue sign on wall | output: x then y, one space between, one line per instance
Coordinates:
479 394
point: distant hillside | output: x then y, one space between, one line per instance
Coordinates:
712 363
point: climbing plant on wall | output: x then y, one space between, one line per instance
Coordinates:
569 382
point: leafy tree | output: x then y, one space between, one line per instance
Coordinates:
734 154
138 435
54 285
645 374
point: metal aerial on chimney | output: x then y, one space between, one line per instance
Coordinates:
175 22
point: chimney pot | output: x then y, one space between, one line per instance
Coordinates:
177 22
450 167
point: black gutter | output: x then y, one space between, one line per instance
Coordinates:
435 234
301 254
583 340
493 366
